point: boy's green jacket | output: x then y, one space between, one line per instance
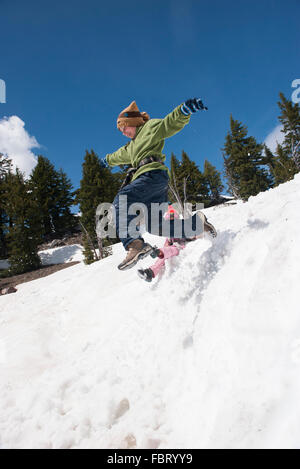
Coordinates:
149 141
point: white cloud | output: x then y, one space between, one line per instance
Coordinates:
16 143
274 137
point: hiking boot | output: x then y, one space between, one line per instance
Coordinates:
208 227
137 250
146 274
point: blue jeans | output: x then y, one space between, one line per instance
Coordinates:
151 187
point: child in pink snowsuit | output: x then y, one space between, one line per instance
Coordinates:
171 248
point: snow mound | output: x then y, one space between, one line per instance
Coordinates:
207 356
59 255
4 264
62 254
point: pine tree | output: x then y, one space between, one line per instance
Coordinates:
243 162
214 181
24 232
5 167
290 119
282 168
190 181
175 169
196 187
44 186
65 221
173 193
97 185
52 191
92 190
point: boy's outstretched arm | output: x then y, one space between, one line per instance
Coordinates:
177 119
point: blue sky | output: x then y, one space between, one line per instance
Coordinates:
70 67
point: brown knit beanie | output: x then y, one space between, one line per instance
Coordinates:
132 117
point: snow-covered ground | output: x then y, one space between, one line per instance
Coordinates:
208 356
62 254
4 264
58 255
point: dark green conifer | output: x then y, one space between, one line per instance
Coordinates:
214 181
197 190
65 221
44 186
189 180
97 185
290 119
282 168
243 161
52 190
5 167
24 230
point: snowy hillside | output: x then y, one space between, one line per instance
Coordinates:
208 356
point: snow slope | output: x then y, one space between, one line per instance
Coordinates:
206 357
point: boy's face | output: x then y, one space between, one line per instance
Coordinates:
128 131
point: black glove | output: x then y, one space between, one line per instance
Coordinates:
192 105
